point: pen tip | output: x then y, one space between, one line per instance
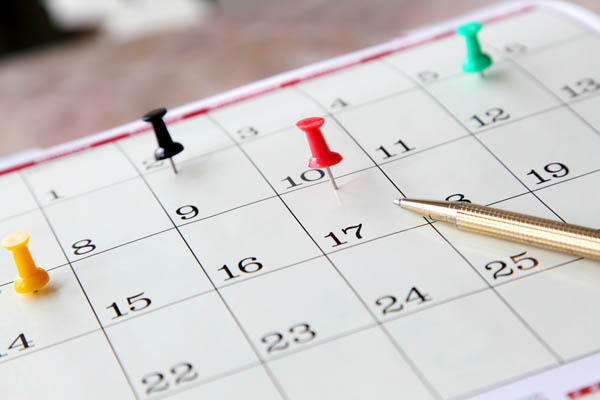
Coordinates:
398 202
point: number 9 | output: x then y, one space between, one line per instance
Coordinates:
187 212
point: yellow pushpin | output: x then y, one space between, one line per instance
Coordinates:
31 278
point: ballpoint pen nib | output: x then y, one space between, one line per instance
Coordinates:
436 210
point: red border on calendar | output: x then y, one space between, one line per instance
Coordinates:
293 78
583 393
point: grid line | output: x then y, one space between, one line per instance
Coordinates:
565 180
489 151
276 384
355 292
117 358
543 342
420 375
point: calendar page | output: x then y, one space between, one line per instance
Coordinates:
245 275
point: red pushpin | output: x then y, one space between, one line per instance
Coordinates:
322 156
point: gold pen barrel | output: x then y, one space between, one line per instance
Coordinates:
540 232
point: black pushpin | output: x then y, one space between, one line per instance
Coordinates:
167 148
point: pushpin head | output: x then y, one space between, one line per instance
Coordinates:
468 29
15 240
476 60
31 278
167 148
322 156
154 114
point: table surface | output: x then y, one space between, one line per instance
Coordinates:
81 87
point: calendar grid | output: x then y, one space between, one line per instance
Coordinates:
564 180
493 288
109 342
286 198
210 379
308 346
563 103
442 106
366 153
300 262
267 369
418 373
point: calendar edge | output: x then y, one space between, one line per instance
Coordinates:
496 12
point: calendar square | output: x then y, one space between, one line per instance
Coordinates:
392 134
571 152
580 209
251 383
148 274
199 135
558 293
57 312
588 109
254 240
287 169
470 343
340 91
19 199
78 173
355 213
106 218
353 367
504 94
418 267
514 36
500 261
44 248
208 185
437 60
574 72
247 119
98 376
307 303
460 170
202 338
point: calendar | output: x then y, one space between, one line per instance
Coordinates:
246 275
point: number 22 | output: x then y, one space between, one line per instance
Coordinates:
183 372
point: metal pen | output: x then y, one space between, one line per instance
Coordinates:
507 225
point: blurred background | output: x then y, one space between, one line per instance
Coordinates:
70 68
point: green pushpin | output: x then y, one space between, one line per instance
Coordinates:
476 60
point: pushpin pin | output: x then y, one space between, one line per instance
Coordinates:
31 278
167 148
476 60
322 156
